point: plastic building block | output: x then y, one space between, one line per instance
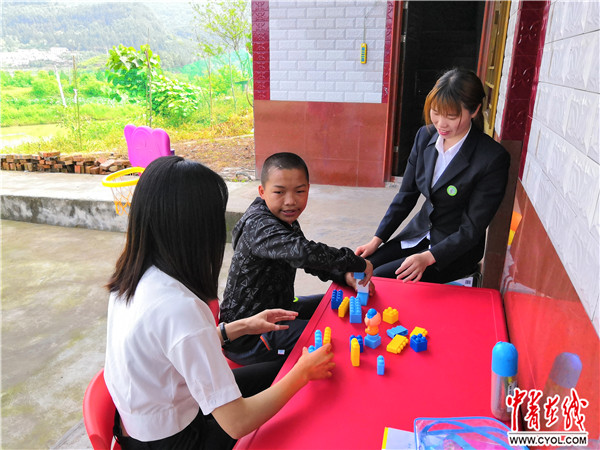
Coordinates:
418 330
372 321
397 344
361 291
336 298
355 353
418 342
311 349
398 329
327 336
380 365
390 315
363 297
372 340
318 339
343 309
359 338
355 310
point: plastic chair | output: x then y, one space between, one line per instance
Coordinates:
99 414
145 144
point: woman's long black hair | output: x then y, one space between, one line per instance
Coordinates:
176 223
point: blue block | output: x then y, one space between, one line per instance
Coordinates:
355 310
359 275
380 365
336 298
363 297
418 342
397 330
359 338
311 349
318 339
372 341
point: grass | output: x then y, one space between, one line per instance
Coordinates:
99 126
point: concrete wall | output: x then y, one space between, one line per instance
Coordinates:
315 50
313 96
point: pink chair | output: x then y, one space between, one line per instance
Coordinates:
145 144
99 414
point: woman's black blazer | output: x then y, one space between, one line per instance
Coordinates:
461 204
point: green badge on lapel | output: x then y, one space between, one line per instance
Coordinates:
451 190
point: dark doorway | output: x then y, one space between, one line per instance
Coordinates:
436 36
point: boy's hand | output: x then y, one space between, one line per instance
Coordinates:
266 321
351 282
368 273
369 248
316 365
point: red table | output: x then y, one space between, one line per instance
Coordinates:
450 379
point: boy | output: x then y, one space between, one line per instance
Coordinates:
268 248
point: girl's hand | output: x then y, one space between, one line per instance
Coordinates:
369 248
266 321
413 266
316 365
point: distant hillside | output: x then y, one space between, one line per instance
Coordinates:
93 28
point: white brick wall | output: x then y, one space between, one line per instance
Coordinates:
315 50
562 169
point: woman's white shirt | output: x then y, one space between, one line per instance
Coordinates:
164 358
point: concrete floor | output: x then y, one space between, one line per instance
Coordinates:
54 303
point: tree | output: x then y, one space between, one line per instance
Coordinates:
229 22
133 71
207 51
129 69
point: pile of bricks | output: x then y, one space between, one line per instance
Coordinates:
55 162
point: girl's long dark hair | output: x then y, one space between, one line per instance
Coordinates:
456 88
176 223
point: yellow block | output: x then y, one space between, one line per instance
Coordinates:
343 309
355 352
390 315
327 336
397 344
418 330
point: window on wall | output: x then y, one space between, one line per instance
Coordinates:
491 57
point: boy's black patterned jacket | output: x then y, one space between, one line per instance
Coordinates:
267 252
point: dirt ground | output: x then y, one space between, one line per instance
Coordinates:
232 157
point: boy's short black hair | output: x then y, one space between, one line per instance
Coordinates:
283 160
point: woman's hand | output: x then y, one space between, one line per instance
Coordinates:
316 365
266 321
369 248
413 266
260 323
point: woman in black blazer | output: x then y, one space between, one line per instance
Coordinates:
462 174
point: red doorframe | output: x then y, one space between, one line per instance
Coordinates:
395 10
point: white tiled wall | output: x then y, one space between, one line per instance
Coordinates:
315 50
562 169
